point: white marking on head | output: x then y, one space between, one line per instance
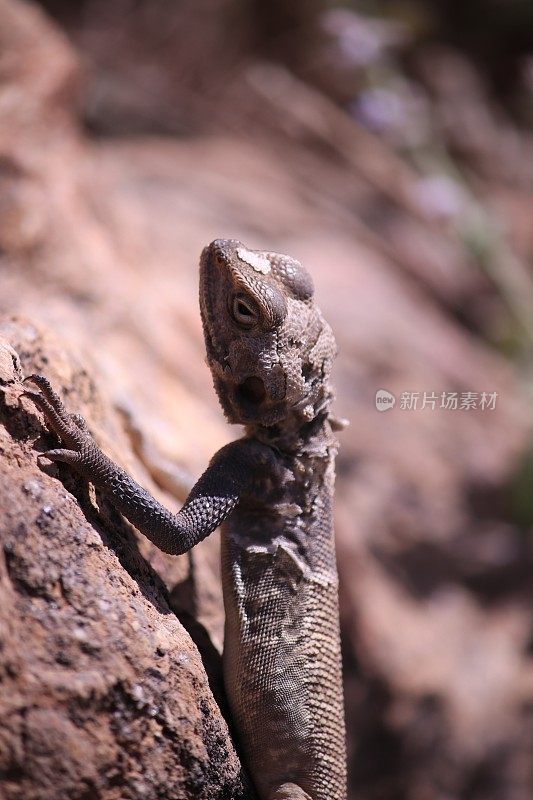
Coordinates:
258 262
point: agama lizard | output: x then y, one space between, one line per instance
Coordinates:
270 352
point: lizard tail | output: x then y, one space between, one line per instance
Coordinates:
290 791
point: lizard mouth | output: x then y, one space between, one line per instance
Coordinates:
251 392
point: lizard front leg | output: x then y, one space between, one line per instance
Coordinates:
230 473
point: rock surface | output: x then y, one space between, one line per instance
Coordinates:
103 692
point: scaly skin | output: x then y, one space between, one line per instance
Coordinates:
270 352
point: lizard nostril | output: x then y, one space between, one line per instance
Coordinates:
252 390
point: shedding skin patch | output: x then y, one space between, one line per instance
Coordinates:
255 260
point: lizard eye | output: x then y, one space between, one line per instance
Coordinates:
243 312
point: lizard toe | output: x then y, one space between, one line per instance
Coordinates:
61 454
49 393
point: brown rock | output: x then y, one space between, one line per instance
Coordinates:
103 692
10 369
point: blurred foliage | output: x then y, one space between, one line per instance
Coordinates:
520 494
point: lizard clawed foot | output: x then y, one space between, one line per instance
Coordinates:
70 428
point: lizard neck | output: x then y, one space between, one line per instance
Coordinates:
296 437
298 508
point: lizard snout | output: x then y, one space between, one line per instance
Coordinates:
221 250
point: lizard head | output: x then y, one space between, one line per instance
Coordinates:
268 347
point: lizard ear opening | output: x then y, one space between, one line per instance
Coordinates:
252 391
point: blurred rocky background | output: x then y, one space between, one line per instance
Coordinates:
388 146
